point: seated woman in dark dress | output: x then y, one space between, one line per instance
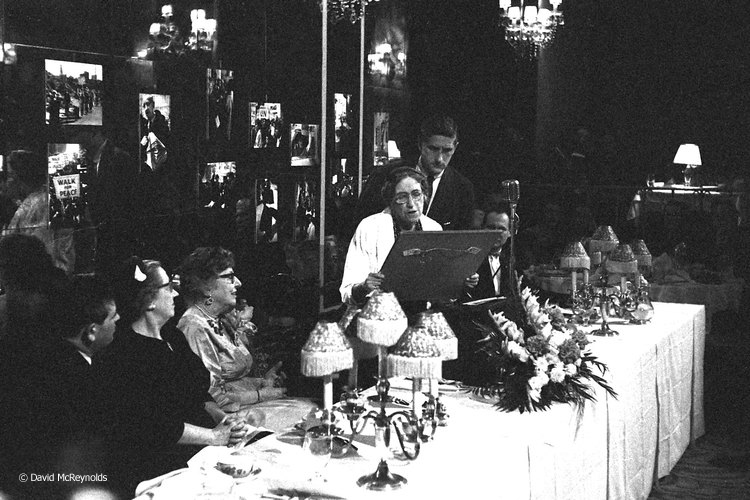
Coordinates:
156 408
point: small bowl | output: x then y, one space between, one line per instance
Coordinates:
237 466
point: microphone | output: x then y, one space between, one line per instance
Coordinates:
511 191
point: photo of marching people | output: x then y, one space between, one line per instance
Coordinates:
220 101
154 130
73 93
304 144
67 170
266 125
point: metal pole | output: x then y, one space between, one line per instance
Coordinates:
323 151
360 151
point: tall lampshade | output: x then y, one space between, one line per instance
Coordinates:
688 154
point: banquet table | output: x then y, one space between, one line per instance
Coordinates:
655 199
716 297
614 449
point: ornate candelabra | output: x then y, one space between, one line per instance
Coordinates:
603 242
326 352
415 355
644 309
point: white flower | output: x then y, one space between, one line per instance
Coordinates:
541 365
534 394
557 374
545 330
535 385
511 330
517 351
571 369
499 318
552 358
558 337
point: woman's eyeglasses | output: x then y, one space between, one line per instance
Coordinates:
403 198
228 276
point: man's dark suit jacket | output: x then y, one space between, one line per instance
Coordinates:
486 287
112 189
453 203
452 207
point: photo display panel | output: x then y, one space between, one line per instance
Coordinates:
73 93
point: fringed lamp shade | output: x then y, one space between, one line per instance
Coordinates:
326 351
622 260
415 355
440 331
381 321
348 323
642 255
604 240
575 257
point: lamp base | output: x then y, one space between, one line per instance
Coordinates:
382 479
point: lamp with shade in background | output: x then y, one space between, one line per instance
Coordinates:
690 156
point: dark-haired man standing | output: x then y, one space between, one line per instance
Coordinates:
451 197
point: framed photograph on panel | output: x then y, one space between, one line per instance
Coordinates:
345 140
216 184
305 211
304 144
380 139
73 93
66 168
266 211
266 125
220 101
154 130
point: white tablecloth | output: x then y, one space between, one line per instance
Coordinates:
615 449
719 297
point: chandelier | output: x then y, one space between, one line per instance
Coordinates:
166 37
529 28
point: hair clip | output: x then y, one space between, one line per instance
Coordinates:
138 275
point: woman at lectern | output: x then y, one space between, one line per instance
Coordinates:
404 191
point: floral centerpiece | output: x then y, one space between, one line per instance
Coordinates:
540 360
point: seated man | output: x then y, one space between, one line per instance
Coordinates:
494 281
86 325
494 274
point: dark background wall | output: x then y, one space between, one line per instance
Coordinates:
643 76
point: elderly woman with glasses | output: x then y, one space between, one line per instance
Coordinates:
156 406
217 332
404 191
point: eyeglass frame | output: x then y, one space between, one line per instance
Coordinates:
406 196
231 277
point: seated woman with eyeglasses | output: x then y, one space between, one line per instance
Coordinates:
404 191
154 393
217 332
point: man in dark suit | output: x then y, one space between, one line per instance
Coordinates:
494 274
113 196
451 199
